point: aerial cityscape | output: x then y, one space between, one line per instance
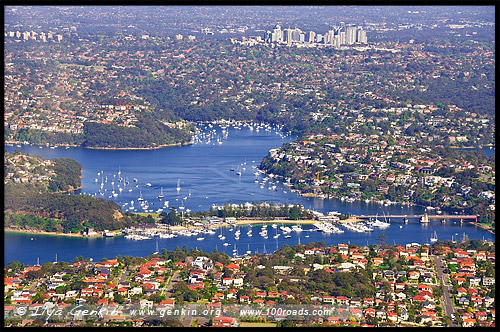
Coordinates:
249 166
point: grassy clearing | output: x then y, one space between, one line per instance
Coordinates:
145 214
251 324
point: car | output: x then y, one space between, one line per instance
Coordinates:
453 316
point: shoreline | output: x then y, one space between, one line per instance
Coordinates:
172 228
37 232
69 191
148 148
485 227
99 147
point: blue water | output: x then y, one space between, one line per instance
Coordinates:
203 170
20 247
486 150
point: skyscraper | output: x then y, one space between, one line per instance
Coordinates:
312 37
351 35
277 35
296 34
288 35
342 35
361 37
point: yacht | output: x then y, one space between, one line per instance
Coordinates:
434 237
160 196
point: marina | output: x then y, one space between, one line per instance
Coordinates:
197 177
20 247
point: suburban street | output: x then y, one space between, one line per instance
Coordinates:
123 276
173 281
448 304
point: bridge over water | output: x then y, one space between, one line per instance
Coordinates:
424 218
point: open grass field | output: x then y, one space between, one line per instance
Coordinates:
251 324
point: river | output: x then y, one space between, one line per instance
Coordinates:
203 173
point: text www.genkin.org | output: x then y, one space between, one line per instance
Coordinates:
240 311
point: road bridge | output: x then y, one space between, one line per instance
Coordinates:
424 218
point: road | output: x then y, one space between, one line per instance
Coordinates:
443 277
173 281
123 276
188 318
35 284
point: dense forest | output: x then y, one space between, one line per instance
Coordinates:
77 211
67 175
147 133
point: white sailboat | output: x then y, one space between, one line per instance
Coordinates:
178 185
277 235
434 237
140 199
160 196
